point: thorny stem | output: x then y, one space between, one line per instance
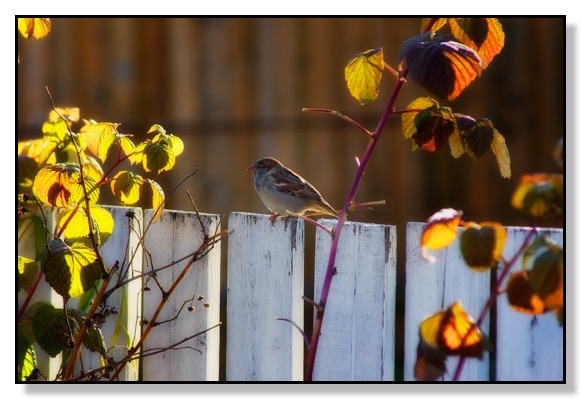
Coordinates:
494 292
387 113
79 339
86 195
335 243
202 251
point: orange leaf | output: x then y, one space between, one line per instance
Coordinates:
440 64
484 35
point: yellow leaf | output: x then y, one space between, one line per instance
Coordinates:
100 137
456 146
177 145
71 114
34 28
92 168
126 187
440 231
78 226
57 131
128 149
156 129
500 151
70 270
27 272
363 75
158 200
41 150
54 185
407 118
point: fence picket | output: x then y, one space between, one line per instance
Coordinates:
175 235
358 335
431 288
121 330
527 348
265 280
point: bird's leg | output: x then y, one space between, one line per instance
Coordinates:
273 217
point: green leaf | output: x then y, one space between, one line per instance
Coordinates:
27 272
53 331
482 245
126 187
27 169
441 65
484 35
547 278
427 124
475 135
541 243
363 75
158 157
56 131
26 358
38 235
539 196
70 270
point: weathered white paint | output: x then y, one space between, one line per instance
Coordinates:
173 236
431 288
357 340
265 280
123 244
528 348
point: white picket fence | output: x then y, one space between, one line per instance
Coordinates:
265 269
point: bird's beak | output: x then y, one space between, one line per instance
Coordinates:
250 168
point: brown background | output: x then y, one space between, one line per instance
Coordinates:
233 90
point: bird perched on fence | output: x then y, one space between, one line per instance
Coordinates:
283 190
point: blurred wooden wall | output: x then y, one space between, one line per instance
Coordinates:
233 89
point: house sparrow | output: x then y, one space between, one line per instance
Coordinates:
282 190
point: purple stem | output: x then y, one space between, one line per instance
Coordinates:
387 113
494 293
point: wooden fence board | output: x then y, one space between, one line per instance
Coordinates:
265 280
358 335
